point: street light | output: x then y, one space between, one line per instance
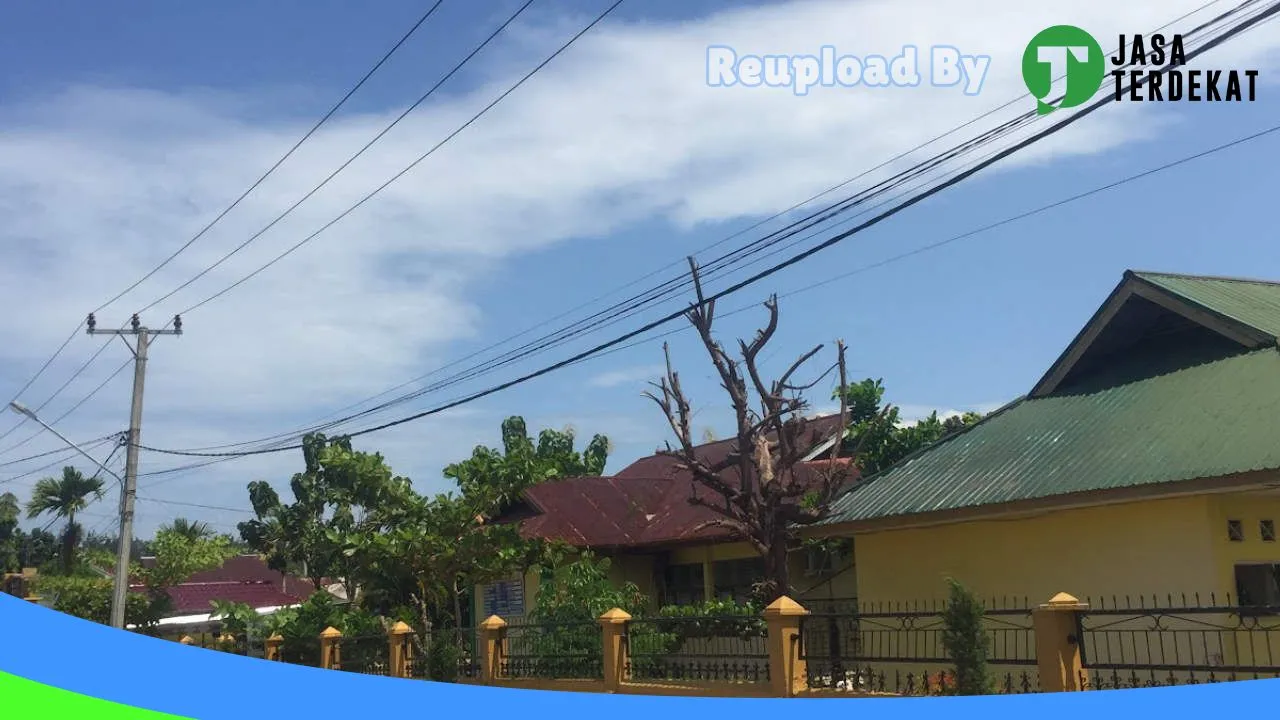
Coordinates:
120 591
24 410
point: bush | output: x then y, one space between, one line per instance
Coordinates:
966 642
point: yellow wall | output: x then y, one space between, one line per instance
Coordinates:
1250 509
1141 548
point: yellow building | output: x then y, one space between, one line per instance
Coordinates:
1144 464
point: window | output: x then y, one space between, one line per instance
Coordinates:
683 585
736 579
1267 529
1258 584
825 560
504 599
1235 531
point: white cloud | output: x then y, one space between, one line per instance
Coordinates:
99 184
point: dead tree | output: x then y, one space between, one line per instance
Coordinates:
764 487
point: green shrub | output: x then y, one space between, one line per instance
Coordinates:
966 642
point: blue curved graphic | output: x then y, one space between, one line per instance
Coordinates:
98 662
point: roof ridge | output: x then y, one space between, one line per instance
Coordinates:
1189 276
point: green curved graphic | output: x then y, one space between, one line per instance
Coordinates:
29 699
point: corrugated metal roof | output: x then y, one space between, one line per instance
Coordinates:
1255 303
1206 420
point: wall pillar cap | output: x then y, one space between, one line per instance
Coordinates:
616 616
276 638
1064 601
331 632
401 628
784 607
186 640
493 622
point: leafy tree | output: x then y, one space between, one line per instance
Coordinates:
434 550
178 556
89 598
10 535
37 548
63 498
191 529
301 625
877 427
88 595
491 478
341 497
966 642
580 591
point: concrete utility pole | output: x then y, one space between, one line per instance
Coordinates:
129 491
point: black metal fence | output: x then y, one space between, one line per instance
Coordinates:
365 654
1182 640
899 649
447 655
568 651
728 649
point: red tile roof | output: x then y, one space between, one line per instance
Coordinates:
645 504
244 578
194 598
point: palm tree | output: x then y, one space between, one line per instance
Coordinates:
191 530
63 498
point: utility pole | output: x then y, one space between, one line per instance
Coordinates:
143 339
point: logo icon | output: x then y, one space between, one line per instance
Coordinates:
1063 50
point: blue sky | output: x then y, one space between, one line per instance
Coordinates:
125 126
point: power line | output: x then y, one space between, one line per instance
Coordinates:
376 138
235 203
195 505
634 304
635 307
1075 117
327 116
411 165
53 452
72 409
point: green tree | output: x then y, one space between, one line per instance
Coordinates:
876 427
194 530
177 558
342 497
10 535
965 640
36 548
63 498
491 478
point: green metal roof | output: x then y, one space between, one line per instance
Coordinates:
1255 303
1206 420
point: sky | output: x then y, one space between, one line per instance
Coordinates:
126 126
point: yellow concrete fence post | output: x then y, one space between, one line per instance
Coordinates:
1058 640
186 640
227 642
786 669
331 648
613 633
492 632
400 639
272 646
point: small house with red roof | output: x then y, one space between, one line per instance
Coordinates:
642 520
241 579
